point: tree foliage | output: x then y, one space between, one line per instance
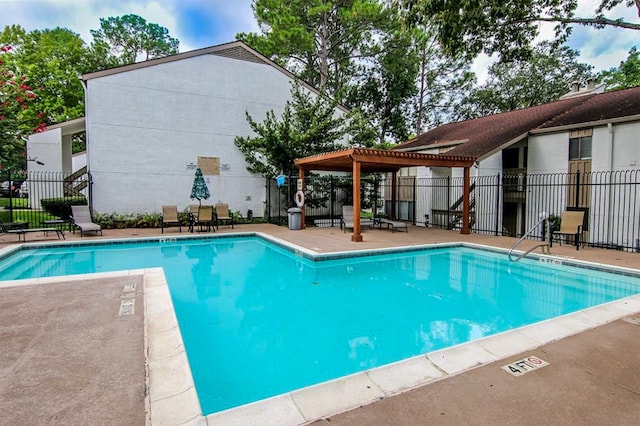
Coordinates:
308 126
16 119
318 40
124 39
506 27
52 60
543 78
626 75
442 83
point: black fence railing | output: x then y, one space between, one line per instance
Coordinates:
501 204
21 199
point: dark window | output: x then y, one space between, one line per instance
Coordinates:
580 148
511 158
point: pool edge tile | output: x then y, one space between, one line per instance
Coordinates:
336 396
277 410
461 357
171 398
405 375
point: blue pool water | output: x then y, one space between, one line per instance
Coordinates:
258 320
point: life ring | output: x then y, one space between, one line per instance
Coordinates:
299 199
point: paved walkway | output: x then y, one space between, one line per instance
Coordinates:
68 357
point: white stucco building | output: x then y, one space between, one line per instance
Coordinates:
150 124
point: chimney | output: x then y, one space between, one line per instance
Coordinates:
575 86
591 83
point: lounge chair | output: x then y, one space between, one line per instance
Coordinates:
205 218
170 217
347 219
8 226
223 215
392 224
571 224
82 219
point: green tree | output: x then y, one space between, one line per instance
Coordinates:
16 119
383 87
524 83
124 39
308 126
443 82
318 40
52 60
508 26
624 76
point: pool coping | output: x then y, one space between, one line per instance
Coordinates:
170 383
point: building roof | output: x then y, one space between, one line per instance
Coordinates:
233 50
484 136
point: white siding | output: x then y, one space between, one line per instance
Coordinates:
145 126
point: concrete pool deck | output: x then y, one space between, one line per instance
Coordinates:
592 374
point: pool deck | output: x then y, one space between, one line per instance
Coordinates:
67 356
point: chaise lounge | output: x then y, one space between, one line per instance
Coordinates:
82 219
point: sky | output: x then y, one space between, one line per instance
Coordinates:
202 23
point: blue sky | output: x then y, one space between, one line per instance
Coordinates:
202 23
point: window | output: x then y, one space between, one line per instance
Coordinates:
580 148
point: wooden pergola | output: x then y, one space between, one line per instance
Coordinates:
363 160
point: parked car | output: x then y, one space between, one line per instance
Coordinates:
5 188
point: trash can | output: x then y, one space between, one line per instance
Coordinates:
295 218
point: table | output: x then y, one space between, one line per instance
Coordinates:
57 223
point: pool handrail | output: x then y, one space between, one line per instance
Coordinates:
545 244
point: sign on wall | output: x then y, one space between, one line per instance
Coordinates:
209 165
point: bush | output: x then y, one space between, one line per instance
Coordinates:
61 207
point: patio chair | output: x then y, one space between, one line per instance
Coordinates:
170 217
205 219
347 219
571 224
223 215
82 219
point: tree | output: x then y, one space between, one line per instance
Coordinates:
624 76
52 60
443 82
16 119
308 126
506 27
318 40
122 40
524 83
384 87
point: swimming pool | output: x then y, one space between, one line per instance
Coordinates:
252 313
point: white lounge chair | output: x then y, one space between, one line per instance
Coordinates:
82 219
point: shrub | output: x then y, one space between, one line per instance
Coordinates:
61 207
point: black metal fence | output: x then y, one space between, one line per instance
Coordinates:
502 204
21 195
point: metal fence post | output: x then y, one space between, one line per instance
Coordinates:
498 191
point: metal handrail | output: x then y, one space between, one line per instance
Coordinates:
522 239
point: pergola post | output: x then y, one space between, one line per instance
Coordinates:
466 229
301 176
357 236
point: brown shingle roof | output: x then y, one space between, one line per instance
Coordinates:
485 135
